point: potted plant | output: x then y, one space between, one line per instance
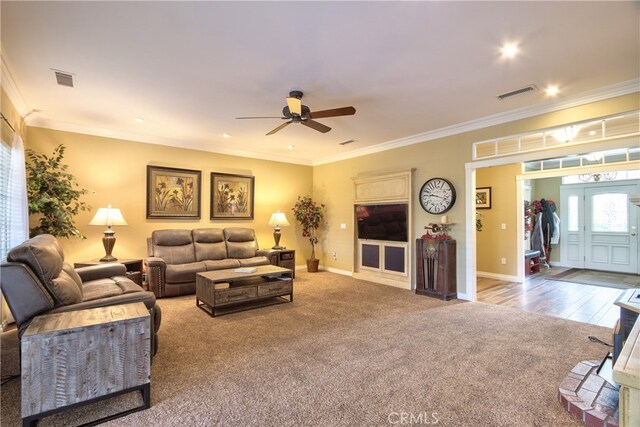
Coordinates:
53 192
310 215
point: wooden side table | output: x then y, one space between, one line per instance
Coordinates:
285 258
78 357
134 267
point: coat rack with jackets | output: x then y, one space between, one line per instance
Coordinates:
545 227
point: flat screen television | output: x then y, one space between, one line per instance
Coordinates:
382 222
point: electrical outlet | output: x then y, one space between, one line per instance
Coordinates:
503 261
503 226
335 256
343 226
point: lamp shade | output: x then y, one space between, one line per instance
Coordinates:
279 219
108 216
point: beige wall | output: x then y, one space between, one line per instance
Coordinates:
444 157
114 172
494 243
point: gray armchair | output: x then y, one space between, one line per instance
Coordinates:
36 280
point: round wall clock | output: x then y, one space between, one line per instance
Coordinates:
437 196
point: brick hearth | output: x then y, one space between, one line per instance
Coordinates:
588 396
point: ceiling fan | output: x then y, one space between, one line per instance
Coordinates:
295 112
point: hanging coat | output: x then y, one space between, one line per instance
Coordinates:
537 237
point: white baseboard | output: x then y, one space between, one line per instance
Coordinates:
465 297
382 280
496 276
336 270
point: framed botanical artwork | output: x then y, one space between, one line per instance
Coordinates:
483 198
173 193
231 196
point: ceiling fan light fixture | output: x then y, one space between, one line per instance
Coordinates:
295 112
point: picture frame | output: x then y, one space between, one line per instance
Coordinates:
173 193
232 196
483 198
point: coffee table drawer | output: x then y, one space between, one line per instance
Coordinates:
235 294
280 287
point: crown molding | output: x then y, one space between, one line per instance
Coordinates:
618 89
11 88
148 139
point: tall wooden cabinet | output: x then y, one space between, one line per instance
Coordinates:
436 268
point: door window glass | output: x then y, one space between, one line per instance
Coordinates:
609 212
573 214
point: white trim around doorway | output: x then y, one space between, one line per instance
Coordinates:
471 275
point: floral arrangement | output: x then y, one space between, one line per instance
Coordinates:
440 230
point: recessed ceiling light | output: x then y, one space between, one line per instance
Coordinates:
552 90
593 132
138 120
291 146
509 50
226 135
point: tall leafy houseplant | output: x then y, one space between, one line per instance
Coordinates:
54 194
309 215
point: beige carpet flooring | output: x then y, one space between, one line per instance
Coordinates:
599 278
351 353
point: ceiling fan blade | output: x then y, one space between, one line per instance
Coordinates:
270 117
316 125
295 105
344 111
282 126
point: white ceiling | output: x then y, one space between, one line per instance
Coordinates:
190 68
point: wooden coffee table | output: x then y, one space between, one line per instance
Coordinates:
234 291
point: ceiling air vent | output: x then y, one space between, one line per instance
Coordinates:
530 88
64 79
347 142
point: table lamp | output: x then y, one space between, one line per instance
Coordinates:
278 219
108 216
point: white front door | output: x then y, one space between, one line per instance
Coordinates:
610 225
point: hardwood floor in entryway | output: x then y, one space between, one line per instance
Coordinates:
540 294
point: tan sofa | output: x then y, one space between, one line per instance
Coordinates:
176 256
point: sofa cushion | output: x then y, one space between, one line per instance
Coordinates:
209 244
171 237
42 254
66 267
100 288
241 242
174 246
108 287
65 290
253 261
184 273
221 264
